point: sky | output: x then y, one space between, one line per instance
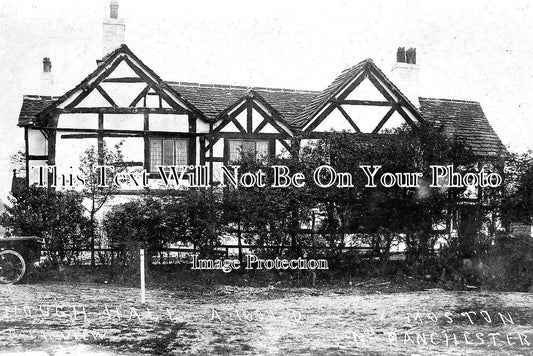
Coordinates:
471 50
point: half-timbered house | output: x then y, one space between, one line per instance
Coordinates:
163 122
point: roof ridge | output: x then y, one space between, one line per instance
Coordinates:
37 96
451 100
230 86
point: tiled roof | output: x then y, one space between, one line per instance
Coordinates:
466 121
31 106
321 98
213 99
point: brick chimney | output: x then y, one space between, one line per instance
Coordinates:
47 79
114 29
405 74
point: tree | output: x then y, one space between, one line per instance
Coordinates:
267 216
518 203
96 192
381 214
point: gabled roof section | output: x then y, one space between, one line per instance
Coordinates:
105 68
31 106
253 101
343 82
466 121
322 98
214 99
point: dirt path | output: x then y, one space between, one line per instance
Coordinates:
60 319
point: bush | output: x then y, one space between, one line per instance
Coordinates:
55 217
510 264
152 223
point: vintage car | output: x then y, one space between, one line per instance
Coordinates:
16 254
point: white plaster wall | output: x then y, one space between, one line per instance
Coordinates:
78 121
202 126
268 128
37 144
123 70
257 118
365 91
169 122
365 117
94 99
242 119
123 121
197 144
123 93
395 121
230 127
334 121
218 148
152 101
68 151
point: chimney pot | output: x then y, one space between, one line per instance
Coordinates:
410 56
405 74
113 13
400 55
47 65
113 34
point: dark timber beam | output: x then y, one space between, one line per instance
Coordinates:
106 132
229 118
146 138
318 120
249 111
270 120
100 139
106 96
192 141
258 136
124 80
128 110
384 120
154 85
138 98
87 90
37 157
348 118
363 102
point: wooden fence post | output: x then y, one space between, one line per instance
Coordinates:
143 292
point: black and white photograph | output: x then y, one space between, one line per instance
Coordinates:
266 178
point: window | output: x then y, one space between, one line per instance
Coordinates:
168 153
255 148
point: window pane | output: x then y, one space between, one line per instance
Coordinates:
155 154
181 151
235 149
261 152
249 147
168 152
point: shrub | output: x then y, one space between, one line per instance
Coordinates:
55 217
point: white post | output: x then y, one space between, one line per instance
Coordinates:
143 292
